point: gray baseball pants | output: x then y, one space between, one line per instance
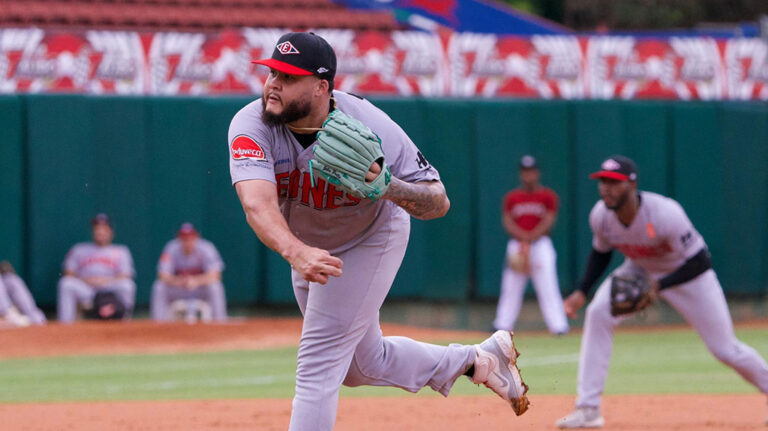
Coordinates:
16 293
545 283
700 301
342 343
163 295
73 291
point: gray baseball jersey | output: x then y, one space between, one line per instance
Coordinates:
341 340
322 216
89 260
205 257
659 240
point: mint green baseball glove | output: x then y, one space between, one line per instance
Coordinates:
345 150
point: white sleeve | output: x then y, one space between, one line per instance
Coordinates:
405 159
126 262
70 261
213 260
165 263
677 229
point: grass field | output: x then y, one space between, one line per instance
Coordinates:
647 362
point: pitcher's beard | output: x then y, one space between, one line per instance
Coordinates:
296 110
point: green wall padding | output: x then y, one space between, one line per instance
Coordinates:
448 241
153 163
12 189
744 176
60 181
697 171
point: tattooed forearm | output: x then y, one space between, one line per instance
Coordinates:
423 200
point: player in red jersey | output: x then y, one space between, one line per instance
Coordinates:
528 214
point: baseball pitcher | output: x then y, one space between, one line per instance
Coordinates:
328 181
189 268
664 257
528 214
96 266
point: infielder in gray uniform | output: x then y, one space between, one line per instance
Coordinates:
189 269
93 266
658 240
17 305
345 250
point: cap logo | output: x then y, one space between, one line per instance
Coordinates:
322 70
610 165
528 161
286 48
244 147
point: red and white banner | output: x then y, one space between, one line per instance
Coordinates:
405 63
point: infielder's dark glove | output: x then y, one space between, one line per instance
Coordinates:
106 306
345 150
630 293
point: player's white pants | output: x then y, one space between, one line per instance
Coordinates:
341 341
163 295
14 292
73 291
700 301
544 276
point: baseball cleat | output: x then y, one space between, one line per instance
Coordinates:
496 368
582 417
14 318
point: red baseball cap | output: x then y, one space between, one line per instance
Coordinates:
302 54
616 168
101 218
187 229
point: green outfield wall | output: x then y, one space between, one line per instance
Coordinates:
152 163
12 190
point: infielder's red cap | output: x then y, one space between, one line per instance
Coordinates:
101 218
302 54
616 168
187 229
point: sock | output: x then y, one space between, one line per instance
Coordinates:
470 372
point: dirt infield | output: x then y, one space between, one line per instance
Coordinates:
408 413
648 412
141 336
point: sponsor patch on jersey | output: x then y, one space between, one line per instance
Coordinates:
287 48
243 147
